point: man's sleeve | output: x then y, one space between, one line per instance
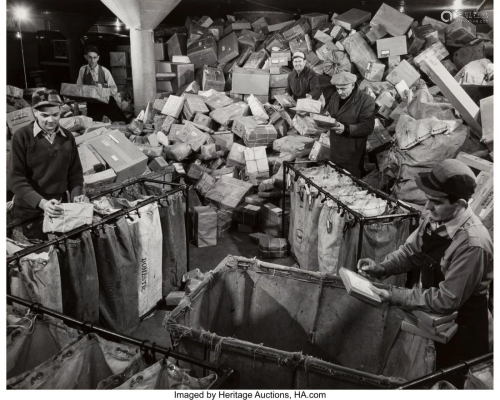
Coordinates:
314 86
110 82
75 174
465 271
366 120
79 81
18 182
407 258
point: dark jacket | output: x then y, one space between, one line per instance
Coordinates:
39 169
348 150
307 82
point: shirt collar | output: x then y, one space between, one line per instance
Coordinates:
455 224
92 69
37 129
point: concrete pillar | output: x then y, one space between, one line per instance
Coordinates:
143 68
142 16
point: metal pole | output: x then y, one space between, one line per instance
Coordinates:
87 326
22 54
360 239
186 216
442 373
285 166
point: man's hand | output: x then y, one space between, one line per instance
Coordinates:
339 130
308 96
368 267
51 207
385 295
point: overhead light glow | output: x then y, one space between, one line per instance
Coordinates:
18 35
21 13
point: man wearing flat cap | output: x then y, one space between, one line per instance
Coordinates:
302 81
44 165
454 253
354 111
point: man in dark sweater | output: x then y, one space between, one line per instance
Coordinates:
94 74
355 112
44 165
302 82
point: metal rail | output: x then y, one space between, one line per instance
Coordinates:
463 366
145 345
413 213
92 226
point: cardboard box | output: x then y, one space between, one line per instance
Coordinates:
228 192
404 71
177 45
203 120
151 151
338 33
158 164
276 27
217 100
257 166
205 226
205 183
203 51
300 44
358 49
237 26
377 32
297 29
323 51
352 18
223 141
319 152
275 70
247 81
90 163
195 104
120 154
285 100
85 93
161 51
228 48
395 46
373 72
256 60
437 50
247 214
14 92
395 22
173 106
279 81
304 125
461 30
482 200
100 178
436 24
270 247
205 21
19 118
184 73
259 24
486 107
212 78
315 19
475 162
236 156
119 59
309 105
164 87
260 135
193 136
225 115
241 125
455 94
256 107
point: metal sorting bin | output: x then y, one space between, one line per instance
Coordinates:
285 328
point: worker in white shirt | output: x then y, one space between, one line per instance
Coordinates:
96 75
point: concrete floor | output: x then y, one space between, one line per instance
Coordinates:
205 259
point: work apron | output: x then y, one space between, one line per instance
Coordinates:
98 110
471 339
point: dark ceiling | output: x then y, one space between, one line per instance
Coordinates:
219 8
